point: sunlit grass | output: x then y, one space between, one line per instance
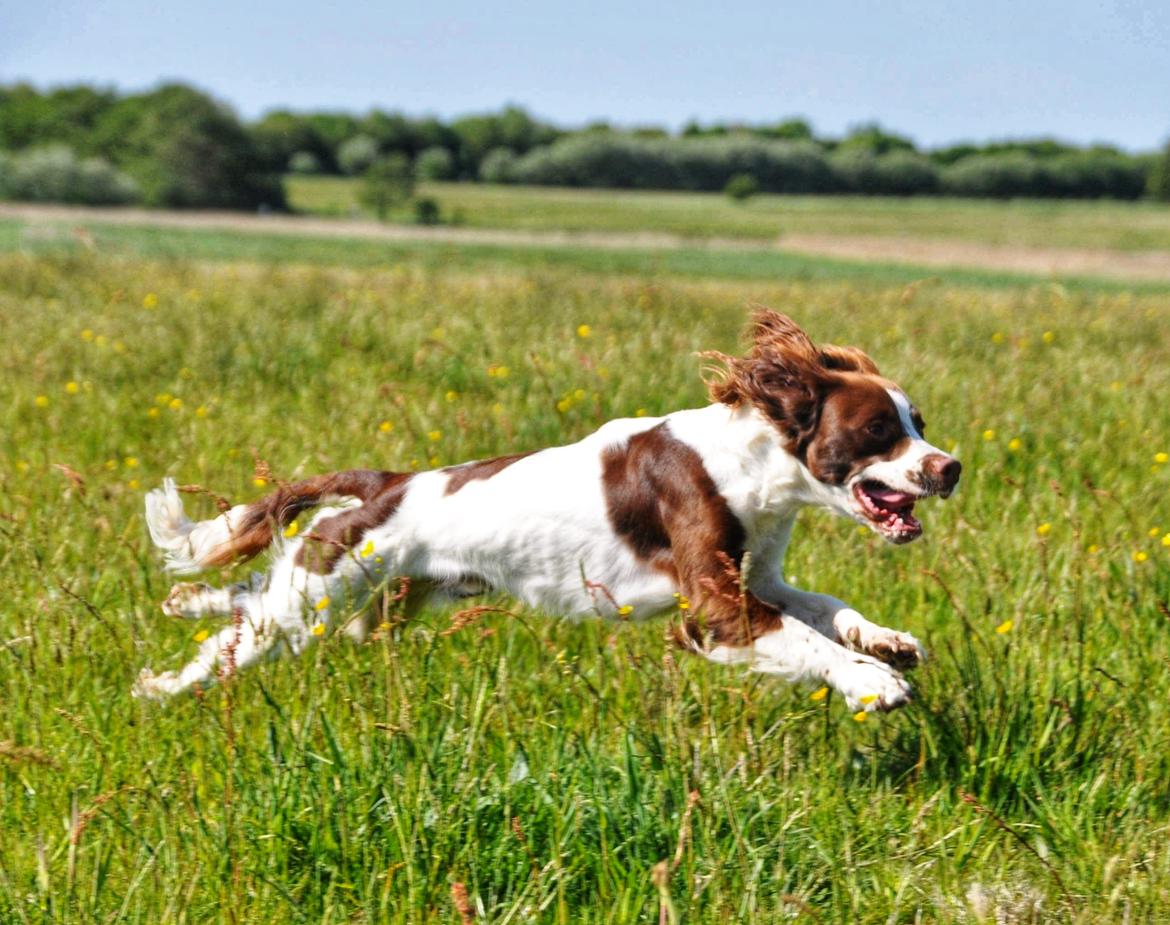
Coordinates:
549 766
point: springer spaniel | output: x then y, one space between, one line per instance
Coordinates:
693 510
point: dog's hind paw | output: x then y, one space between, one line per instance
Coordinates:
149 686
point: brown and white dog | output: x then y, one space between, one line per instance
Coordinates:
697 505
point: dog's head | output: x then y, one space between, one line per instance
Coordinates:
857 433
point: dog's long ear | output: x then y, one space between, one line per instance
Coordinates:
778 336
846 359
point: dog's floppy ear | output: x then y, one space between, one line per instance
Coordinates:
778 336
846 359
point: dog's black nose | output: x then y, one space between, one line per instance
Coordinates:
942 471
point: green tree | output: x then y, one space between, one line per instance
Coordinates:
186 150
388 182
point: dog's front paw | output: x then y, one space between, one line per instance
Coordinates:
870 686
901 650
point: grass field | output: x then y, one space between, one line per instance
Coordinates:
566 772
1029 223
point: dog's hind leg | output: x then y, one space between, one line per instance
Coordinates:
248 639
194 599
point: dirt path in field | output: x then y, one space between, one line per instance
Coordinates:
927 252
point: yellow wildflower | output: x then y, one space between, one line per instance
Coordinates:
868 699
201 411
564 405
1044 529
1140 555
1005 627
583 330
451 395
859 716
41 401
367 549
1166 540
434 435
21 466
134 484
87 335
259 482
72 388
110 464
1153 532
1014 444
997 337
152 413
1162 458
319 629
625 610
201 636
819 694
150 301
684 604
130 462
1048 337
386 426
1094 549
291 530
989 434
321 604
640 413
175 404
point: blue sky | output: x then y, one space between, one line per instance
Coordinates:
939 72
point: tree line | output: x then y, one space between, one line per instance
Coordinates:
176 147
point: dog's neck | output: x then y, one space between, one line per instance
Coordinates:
764 485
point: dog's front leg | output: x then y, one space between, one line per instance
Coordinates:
840 622
850 628
736 626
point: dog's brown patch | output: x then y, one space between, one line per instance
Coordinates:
458 476
255 531
335 536
663 503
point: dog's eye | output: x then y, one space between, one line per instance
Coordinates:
878 428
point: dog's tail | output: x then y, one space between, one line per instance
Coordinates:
246 529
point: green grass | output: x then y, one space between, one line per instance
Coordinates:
1033 223
176 244
545 765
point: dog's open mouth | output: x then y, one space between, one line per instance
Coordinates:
889 510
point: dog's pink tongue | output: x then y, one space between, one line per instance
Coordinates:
889 496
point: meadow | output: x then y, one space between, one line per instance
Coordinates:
1127 226
510 767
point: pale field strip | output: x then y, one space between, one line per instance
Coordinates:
1153 265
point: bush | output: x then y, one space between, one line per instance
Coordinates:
357 154
434 163
999 176
741 187
1158 184
900 173
498 166
56 174
304 162
388 183
603 159
426 211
